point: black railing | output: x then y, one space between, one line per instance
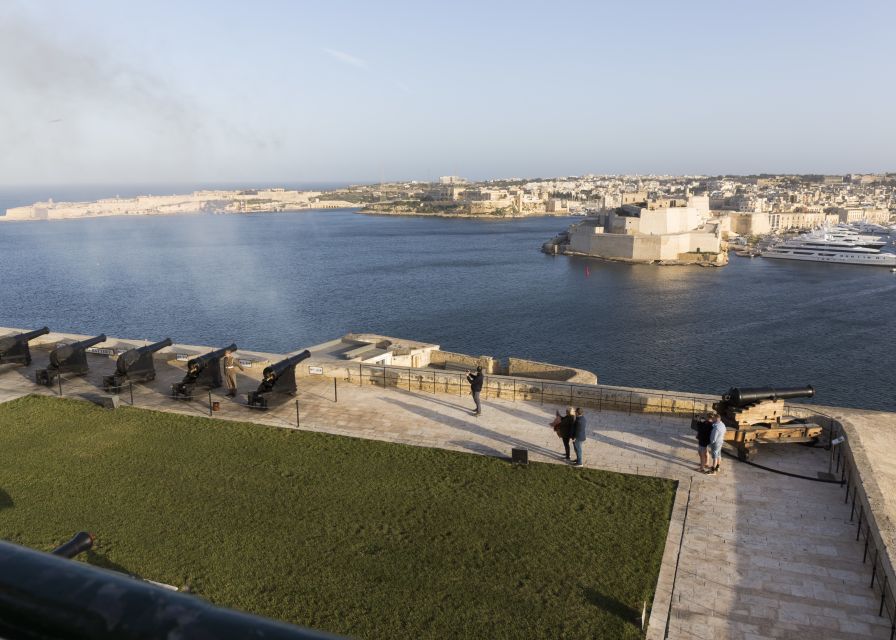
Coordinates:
596 396
43 596
874 549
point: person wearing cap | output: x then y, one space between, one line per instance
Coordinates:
475 381
230 365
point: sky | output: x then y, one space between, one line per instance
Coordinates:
152 92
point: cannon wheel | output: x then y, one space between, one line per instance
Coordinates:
746 453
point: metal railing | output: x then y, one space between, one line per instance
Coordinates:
874 549
596 396
43 596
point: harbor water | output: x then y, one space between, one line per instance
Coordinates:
281 281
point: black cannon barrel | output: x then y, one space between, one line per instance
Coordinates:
80 542
156 346
86 344
59 355
9 341
205 358
278 368
741 397
139 357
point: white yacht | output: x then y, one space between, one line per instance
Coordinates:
849 234
817 247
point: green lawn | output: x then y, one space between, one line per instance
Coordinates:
355 537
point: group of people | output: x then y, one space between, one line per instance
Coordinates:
710 436
572 426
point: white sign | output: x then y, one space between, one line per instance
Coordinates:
316 371
839 440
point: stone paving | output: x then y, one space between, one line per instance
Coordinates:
750 554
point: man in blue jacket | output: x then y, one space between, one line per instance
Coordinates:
716 438
579 433
475 381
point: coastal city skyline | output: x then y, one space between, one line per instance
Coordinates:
101 92
418 321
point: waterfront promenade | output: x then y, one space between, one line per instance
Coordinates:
750 554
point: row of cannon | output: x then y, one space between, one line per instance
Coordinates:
137 365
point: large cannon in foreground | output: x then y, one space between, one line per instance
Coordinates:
203 371
278 382
757 415
69 358
15 348
135 365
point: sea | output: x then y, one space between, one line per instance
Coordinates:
283 281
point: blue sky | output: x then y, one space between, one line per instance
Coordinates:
356 91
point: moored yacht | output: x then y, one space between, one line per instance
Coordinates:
824 248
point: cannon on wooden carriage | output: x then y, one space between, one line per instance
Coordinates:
14 349
757 415
134 365
203 371
278 382
68 358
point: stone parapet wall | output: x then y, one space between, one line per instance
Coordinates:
441 358
518 367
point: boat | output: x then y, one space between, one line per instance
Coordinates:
851 235
817 247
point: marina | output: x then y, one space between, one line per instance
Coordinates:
840 245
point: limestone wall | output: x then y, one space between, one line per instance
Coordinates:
442 358
542 370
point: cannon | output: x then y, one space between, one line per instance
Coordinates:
134 365
203 371
69 358
278 381
757 415
80 542
14 349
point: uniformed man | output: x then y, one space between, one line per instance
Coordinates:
230 365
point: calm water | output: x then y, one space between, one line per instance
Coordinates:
277 282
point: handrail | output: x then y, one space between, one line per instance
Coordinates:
43 596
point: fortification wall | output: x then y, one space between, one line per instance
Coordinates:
442 358
546 371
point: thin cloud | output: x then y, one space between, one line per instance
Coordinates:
347 58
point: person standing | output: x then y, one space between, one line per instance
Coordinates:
565 428
716 438
579 427
476 381
704 431
230 366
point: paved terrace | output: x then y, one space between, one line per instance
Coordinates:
750 554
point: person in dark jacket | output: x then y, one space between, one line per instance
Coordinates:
704 429
579 430
565 428
475 381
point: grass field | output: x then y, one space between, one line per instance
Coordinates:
356 537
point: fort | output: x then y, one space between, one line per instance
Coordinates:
800 543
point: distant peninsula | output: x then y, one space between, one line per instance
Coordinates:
213 201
